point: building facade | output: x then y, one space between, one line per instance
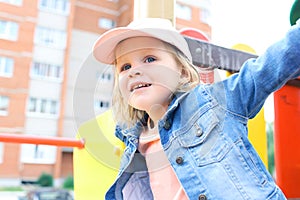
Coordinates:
49 81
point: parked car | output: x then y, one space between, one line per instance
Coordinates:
48 194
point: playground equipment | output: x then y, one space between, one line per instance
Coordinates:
287 129
96 166
206 74
295 12
30 139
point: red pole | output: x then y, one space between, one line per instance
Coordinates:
287 139
287 129
30 139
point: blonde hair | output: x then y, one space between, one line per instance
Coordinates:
127 115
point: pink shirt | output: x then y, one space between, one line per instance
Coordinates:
163 180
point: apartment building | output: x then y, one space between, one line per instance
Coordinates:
49 81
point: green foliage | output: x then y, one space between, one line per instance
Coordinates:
69 183
45 180
270 139
11 188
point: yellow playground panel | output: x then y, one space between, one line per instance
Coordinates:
96 165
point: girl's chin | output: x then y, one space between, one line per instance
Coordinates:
139 106
137 101
148 107
146 103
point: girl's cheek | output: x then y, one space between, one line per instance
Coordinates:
123 86
165 76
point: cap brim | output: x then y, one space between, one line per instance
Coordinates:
104 47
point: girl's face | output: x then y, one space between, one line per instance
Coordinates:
147 71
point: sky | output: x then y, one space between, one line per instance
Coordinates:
256 23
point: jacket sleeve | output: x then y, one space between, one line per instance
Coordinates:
259 77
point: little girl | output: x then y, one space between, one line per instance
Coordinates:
186 140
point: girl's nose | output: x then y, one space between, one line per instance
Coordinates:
134 72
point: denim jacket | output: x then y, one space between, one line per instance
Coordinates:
204 133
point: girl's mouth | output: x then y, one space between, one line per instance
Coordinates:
140 85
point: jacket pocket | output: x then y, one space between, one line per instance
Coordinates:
204 141
249 164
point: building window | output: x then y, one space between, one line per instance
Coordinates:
43 106
101 105
44 154
50 37
32 105
8 30
106 23
205 16
14 2
4 103
6 66
56 6
183 11
105 76
46 71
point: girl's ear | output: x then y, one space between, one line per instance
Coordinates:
184 72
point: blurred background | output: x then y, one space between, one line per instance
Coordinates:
45 48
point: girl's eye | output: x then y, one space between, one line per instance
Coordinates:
125 67
150 59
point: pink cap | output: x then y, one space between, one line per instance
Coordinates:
162 29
